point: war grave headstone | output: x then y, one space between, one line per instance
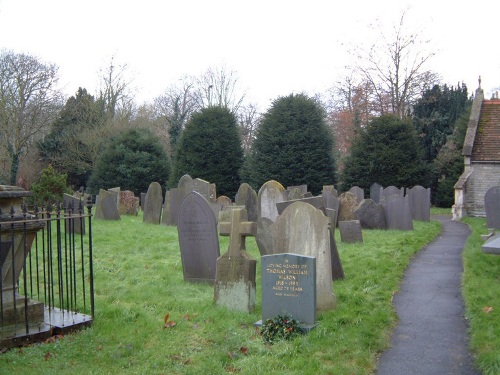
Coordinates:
106 208
337 269
375 192
492 245
420 202
247 197
331 201
371 215
270 193
358 192
74 206
289 288
302 229
153 207
316 202
264 236
198 239
235 284
350 231
397 212
129 203
492 207
347 204
390 190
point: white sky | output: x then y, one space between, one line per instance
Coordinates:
275 47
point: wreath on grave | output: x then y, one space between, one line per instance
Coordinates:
281 327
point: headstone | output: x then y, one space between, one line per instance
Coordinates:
289 287
247 197
264 236
166 215
390 190
236 270
74 207
143 201
154 200
303 229
347 203
105 208
420 202
397 212
331 189
337 269
331 201
492 207
492 245
205 188
370 215
128 204
375 191
293 194
316 202
224 202
358 192
270 193
198 239
350 231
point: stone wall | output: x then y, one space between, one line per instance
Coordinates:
483 176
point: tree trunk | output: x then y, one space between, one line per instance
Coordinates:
14 167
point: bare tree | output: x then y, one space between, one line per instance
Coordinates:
218 87
29 102
394 68
248 119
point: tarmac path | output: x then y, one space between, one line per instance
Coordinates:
431 336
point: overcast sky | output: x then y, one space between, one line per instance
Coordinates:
275 47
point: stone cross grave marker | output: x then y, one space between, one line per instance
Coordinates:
492 207
236 270
198 239
289 287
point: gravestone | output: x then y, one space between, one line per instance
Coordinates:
375 191
420 202
331 189
492 207
74 207
347 203
236 270
331 201
143 200
303 229
264 237
316 202
166 215
198 239
492 245
153 207
358 192
370 215
397 212
350 231
289 287
116 193
105 208
337 269
293 194
247 197
270 193
390 190
128 204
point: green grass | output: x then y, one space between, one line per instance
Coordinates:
481 289
138 280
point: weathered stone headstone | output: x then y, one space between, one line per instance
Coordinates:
166 215
390 190
420 202
293 194
492 245
270 193
128 204
492 207
235 277
375 191
264 236
289 287
331 189
316 202
347 203
397 212
74 207
337 269
143 200
358 192
198 239
370 215
350 231
105 208
303 229
247 197
116 193
331 201
153 207
224 202
205 188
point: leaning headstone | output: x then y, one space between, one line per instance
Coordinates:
358 192
375 191
198 239
153 207
397 212
350 231
264 236
236 270
337 269
105 208
74 208
390 190
270 193
289 288
492 207
303 229
247 197
492 245
316 202
347 203
370 215
420 202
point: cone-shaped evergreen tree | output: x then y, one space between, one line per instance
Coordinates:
210 149
293 145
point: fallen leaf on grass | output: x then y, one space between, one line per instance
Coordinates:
487 309
244 350
232 369
47 356
186 361
167 323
